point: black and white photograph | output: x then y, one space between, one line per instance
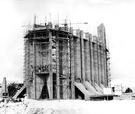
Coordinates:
67 56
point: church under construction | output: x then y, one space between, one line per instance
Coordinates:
64 63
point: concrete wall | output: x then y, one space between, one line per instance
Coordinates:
80 58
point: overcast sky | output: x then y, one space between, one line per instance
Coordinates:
117 16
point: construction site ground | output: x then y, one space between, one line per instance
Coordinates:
68 107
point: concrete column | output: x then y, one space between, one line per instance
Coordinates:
102 63
57 67
34 66
50 68
28 71
77 55
90 57
95 59
103 60
88 60
99 64
82 57
105 68
87 57
72 66
92 62
96 63
98 73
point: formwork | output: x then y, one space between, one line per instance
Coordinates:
60 60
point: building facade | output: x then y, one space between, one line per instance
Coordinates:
62 63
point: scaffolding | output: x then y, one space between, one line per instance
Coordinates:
57 57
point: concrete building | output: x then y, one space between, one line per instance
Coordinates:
63 63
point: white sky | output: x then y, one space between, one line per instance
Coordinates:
117 15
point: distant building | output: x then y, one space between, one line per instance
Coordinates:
62 63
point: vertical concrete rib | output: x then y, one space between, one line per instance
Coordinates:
78 56
105 68
102 59
82 56
99 63
50 68
101 68
98 73
88 61
28 72
34 65
96 61
87 58
90 56
72 66
92 62
57 66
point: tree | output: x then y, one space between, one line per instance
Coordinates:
128 90
12 89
